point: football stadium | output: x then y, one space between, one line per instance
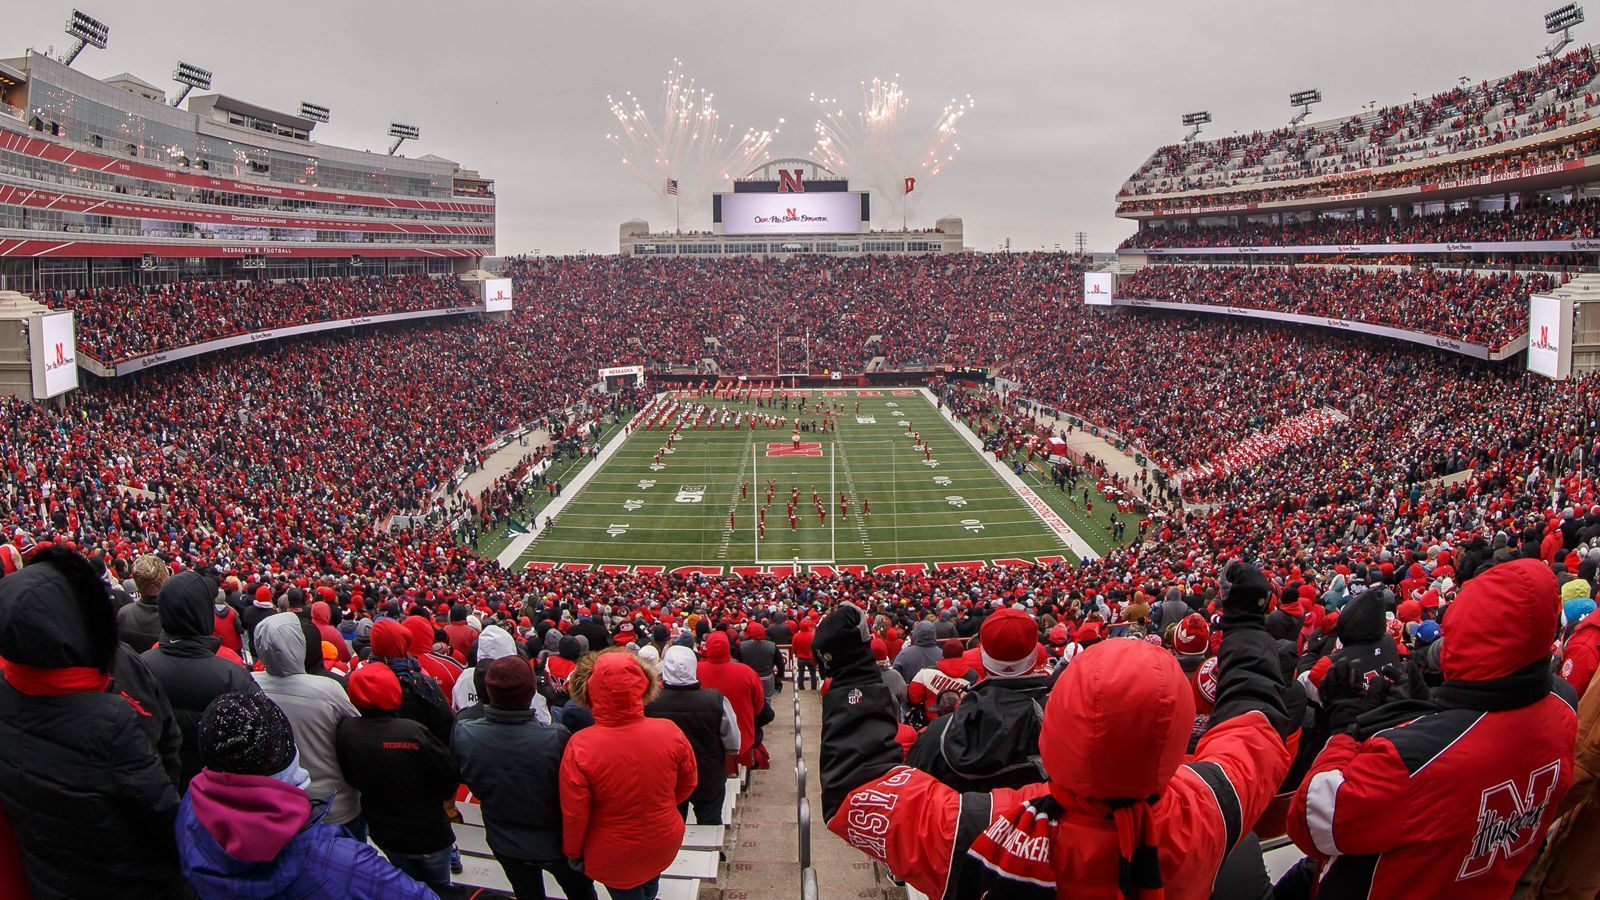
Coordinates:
1135 489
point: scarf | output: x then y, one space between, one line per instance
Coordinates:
1016 852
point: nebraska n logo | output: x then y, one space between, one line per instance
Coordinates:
789 182
61 353
803 448
1508 821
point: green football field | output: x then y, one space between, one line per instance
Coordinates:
651 504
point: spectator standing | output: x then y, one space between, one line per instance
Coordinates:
458 633
185 662
404 774
80 782
923 651
422 700
1451 800
247 828
991 740
738 683
139 622
623 778
805 668
512 764
707 720
761 655
315 705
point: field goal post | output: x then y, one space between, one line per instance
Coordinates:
755 511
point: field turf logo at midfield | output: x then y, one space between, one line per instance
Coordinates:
804 448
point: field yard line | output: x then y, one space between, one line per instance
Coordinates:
733 505
850 485
520 542
1048 516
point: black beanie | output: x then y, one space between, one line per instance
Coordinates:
458 613
569 648
246 734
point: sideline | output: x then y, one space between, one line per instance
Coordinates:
1033 501
521 542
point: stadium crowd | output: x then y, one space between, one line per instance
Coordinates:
119 323
1489 308
1544 221
245 502
1554 94
1474 170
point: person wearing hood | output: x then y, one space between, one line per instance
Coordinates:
314 705
422 699
1361 636
739 684
442 668
708 722
1125 812
1429 796
1170 611
1580 655
805 665
81 782
322 617
494 642
923 651
623 778
592 627
248 829
761 655
404 774
1338 592
511 762
185 661
991 740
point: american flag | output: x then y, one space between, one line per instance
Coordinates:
672 187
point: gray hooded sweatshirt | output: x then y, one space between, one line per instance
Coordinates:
314 705
923 651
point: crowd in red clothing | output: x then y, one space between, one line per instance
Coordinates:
1488 307
118 323
1552 95
1548 221
283 465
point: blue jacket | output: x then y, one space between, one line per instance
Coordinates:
250 837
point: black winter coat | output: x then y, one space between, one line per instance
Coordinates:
185 663
697 711
512 764
80 779
404 775
990 741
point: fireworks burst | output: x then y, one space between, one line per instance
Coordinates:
688 142
878 145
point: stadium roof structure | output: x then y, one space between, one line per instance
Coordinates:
130 78
207 102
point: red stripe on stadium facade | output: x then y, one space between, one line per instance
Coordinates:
223 250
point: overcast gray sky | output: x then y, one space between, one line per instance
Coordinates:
1071 94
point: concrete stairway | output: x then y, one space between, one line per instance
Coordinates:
763 840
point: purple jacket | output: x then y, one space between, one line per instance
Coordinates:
250 837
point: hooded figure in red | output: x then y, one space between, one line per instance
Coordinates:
420 632
1450 795
623 778
1123 817
739 684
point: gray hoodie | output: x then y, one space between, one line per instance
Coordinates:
923 651
314 705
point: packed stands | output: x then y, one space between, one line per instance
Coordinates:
1553 95
285 465
1482 307
1547 221
118 323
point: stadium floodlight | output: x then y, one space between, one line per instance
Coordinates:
190 77
1560 22
88 31
1303 99
316 112
402 133
1193 121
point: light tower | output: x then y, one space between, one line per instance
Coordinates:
402 133
88 31
1193 121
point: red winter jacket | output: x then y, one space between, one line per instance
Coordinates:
739 684
622 780
226 627
1094 751
1454 802
1581 656
802 640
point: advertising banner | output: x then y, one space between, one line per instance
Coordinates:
1550 336
53 349
1098 288
497 295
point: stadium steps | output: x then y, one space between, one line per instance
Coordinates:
763 858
